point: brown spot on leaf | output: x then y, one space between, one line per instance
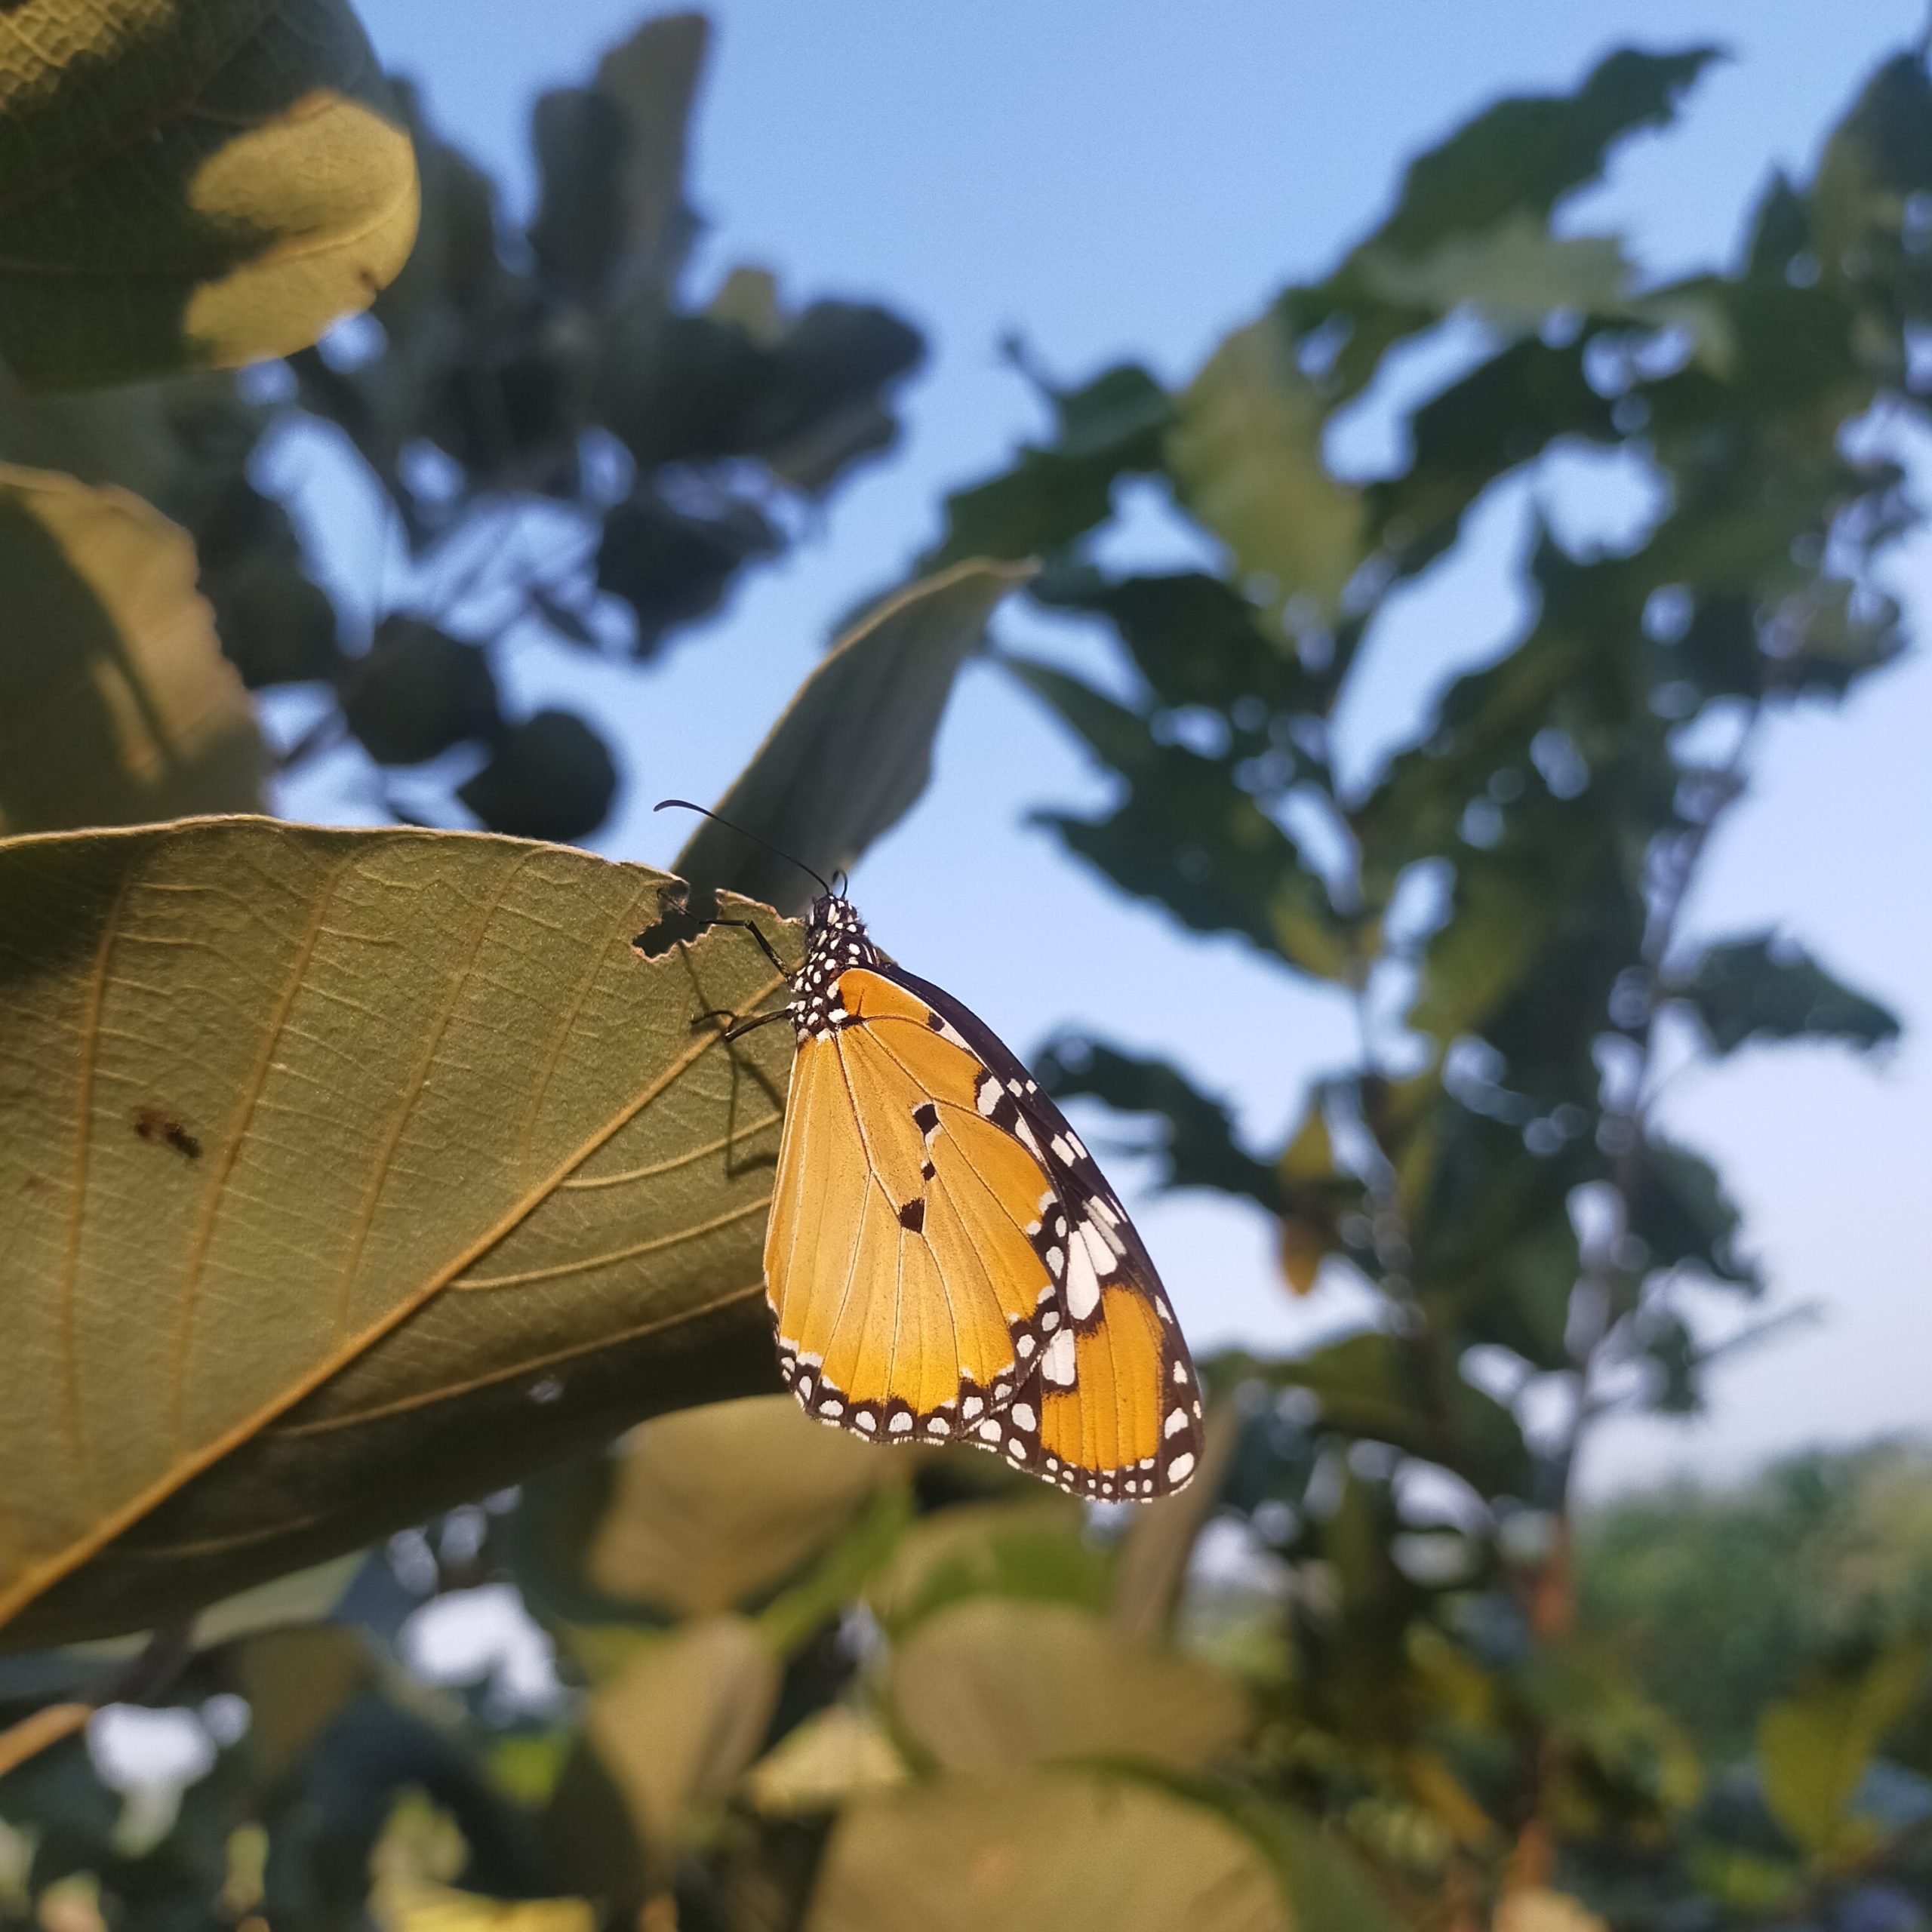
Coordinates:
166 1128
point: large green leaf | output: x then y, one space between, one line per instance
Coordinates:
854 750
349 1173
116 703
995 1680
190 182
1043 1851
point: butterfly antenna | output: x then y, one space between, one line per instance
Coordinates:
685 805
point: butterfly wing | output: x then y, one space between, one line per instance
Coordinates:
1109 1407
906 1257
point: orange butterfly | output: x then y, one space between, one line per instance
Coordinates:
944 1262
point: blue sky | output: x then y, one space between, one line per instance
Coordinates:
1134 180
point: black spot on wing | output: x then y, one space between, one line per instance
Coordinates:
925 1117
913 1214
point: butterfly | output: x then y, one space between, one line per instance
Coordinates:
944 1262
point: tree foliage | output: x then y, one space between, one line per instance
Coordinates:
360 1176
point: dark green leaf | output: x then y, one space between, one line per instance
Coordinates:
549 777
1680 1213
418 691
671 567
1188 837
1195 1142
1050 495
1383 1389
1763 988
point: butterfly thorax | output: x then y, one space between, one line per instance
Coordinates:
835 942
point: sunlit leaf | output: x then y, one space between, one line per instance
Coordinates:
190 184
116 703
1245 450
837 1755
423 1174
713 1507
678 1728
1043 1851
997 1682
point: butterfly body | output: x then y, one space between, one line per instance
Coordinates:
944 1261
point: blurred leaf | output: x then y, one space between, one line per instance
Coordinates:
1762 988
652 79
115 701
1877 157
1196 1147
439 1908
549 777
996 1682
1375 1385
854 749
1814 1746
1538 1910
1194 638
1320 1879
678 388
1680 1212
1189 837
1629 1760
189 185
1500 174
1042 1851
1245 450
1033 1549
1052 493
296 1681
1158 1546
407 1082
418 691
1512 274
836 1755
671 567
713 1508
678 1728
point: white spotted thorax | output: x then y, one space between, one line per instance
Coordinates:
834 942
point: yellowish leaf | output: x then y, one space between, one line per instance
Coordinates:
116 704
836 1755
190 183
715 1506
1000 1681
1041 1851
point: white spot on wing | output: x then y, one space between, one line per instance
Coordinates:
901 1424
989 1430
1091 1238
987 1097
1181 1468
1023 1417
1177 1422
1057 1364
1083 1285
971 1407
866 1420
1062 1153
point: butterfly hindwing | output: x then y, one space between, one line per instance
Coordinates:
1109 1407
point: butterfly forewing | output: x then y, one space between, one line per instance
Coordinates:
904 1256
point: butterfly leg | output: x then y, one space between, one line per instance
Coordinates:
757 933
